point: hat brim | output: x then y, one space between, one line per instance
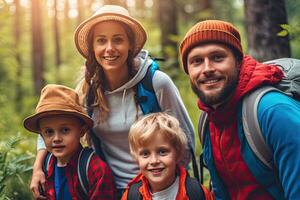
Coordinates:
82 31
31 122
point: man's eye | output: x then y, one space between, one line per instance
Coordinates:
196 61
218 58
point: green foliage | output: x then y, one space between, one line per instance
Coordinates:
13 169
292 31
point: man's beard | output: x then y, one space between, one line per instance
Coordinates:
220 97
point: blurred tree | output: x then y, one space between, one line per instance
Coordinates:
122 3
205 4
66 14
37 47
56 41
167 20
140 7
17 37
79 11
263 19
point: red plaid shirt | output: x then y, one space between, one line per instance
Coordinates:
101 182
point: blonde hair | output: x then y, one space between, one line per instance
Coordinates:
142 132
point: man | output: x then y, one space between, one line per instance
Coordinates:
221 75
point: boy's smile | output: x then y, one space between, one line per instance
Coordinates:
61 134
157 162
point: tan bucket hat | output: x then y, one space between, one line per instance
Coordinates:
109 13
54 100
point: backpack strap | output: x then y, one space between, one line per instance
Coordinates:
193 189
202 126
46 163
96 140
82 168
133 192
251 126
145 95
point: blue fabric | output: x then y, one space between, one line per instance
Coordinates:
148 102
279 118
60 184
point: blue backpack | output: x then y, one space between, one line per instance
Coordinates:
289 85
82 168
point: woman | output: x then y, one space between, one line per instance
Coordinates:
110 41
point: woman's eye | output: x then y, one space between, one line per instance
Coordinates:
118 40
101 40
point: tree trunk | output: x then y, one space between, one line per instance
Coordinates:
80 11
122 3
167 19
140 8
37 47
17 34
56 40
263 19
67 23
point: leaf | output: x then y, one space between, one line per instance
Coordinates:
283 33
285 26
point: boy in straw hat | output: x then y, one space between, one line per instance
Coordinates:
61 121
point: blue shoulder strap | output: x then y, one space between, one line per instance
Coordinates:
46 163
82 168
145 96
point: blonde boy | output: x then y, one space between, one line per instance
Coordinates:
158 143
62 121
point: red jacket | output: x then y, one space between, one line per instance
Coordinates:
226 146
181 195
101 182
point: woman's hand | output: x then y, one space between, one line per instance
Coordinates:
37 185
38 180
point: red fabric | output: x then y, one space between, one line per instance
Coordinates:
101 182
144 189
226 146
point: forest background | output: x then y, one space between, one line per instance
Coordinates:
37 47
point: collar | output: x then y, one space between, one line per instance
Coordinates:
72 163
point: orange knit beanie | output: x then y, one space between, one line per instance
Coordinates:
210 31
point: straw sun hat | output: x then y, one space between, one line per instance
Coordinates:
55 100
109 13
